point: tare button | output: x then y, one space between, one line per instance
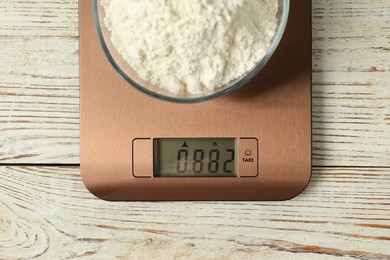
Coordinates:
248 157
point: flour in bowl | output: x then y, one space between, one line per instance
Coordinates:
191 45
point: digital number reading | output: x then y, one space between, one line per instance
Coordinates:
195 157
198 161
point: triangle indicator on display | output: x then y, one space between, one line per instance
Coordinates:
185 145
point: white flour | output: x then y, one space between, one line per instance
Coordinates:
191 45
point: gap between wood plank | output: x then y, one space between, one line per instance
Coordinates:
41 164
78 165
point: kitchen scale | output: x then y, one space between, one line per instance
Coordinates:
253 144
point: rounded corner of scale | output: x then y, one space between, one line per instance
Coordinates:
301 186
90 186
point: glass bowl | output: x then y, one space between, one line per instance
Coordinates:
131 76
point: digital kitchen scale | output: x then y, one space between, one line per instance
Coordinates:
253 144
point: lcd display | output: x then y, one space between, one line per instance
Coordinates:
195 157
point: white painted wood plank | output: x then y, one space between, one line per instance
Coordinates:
39 82
351 77
47 212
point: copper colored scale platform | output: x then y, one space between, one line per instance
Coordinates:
269 119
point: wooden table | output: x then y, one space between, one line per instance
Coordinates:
45 211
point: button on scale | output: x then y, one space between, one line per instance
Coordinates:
248 157
142 158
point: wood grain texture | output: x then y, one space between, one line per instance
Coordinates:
39 83
351 78
47 212
39 112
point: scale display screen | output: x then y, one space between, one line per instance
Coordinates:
195 157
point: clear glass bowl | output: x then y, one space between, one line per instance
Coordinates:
124 69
